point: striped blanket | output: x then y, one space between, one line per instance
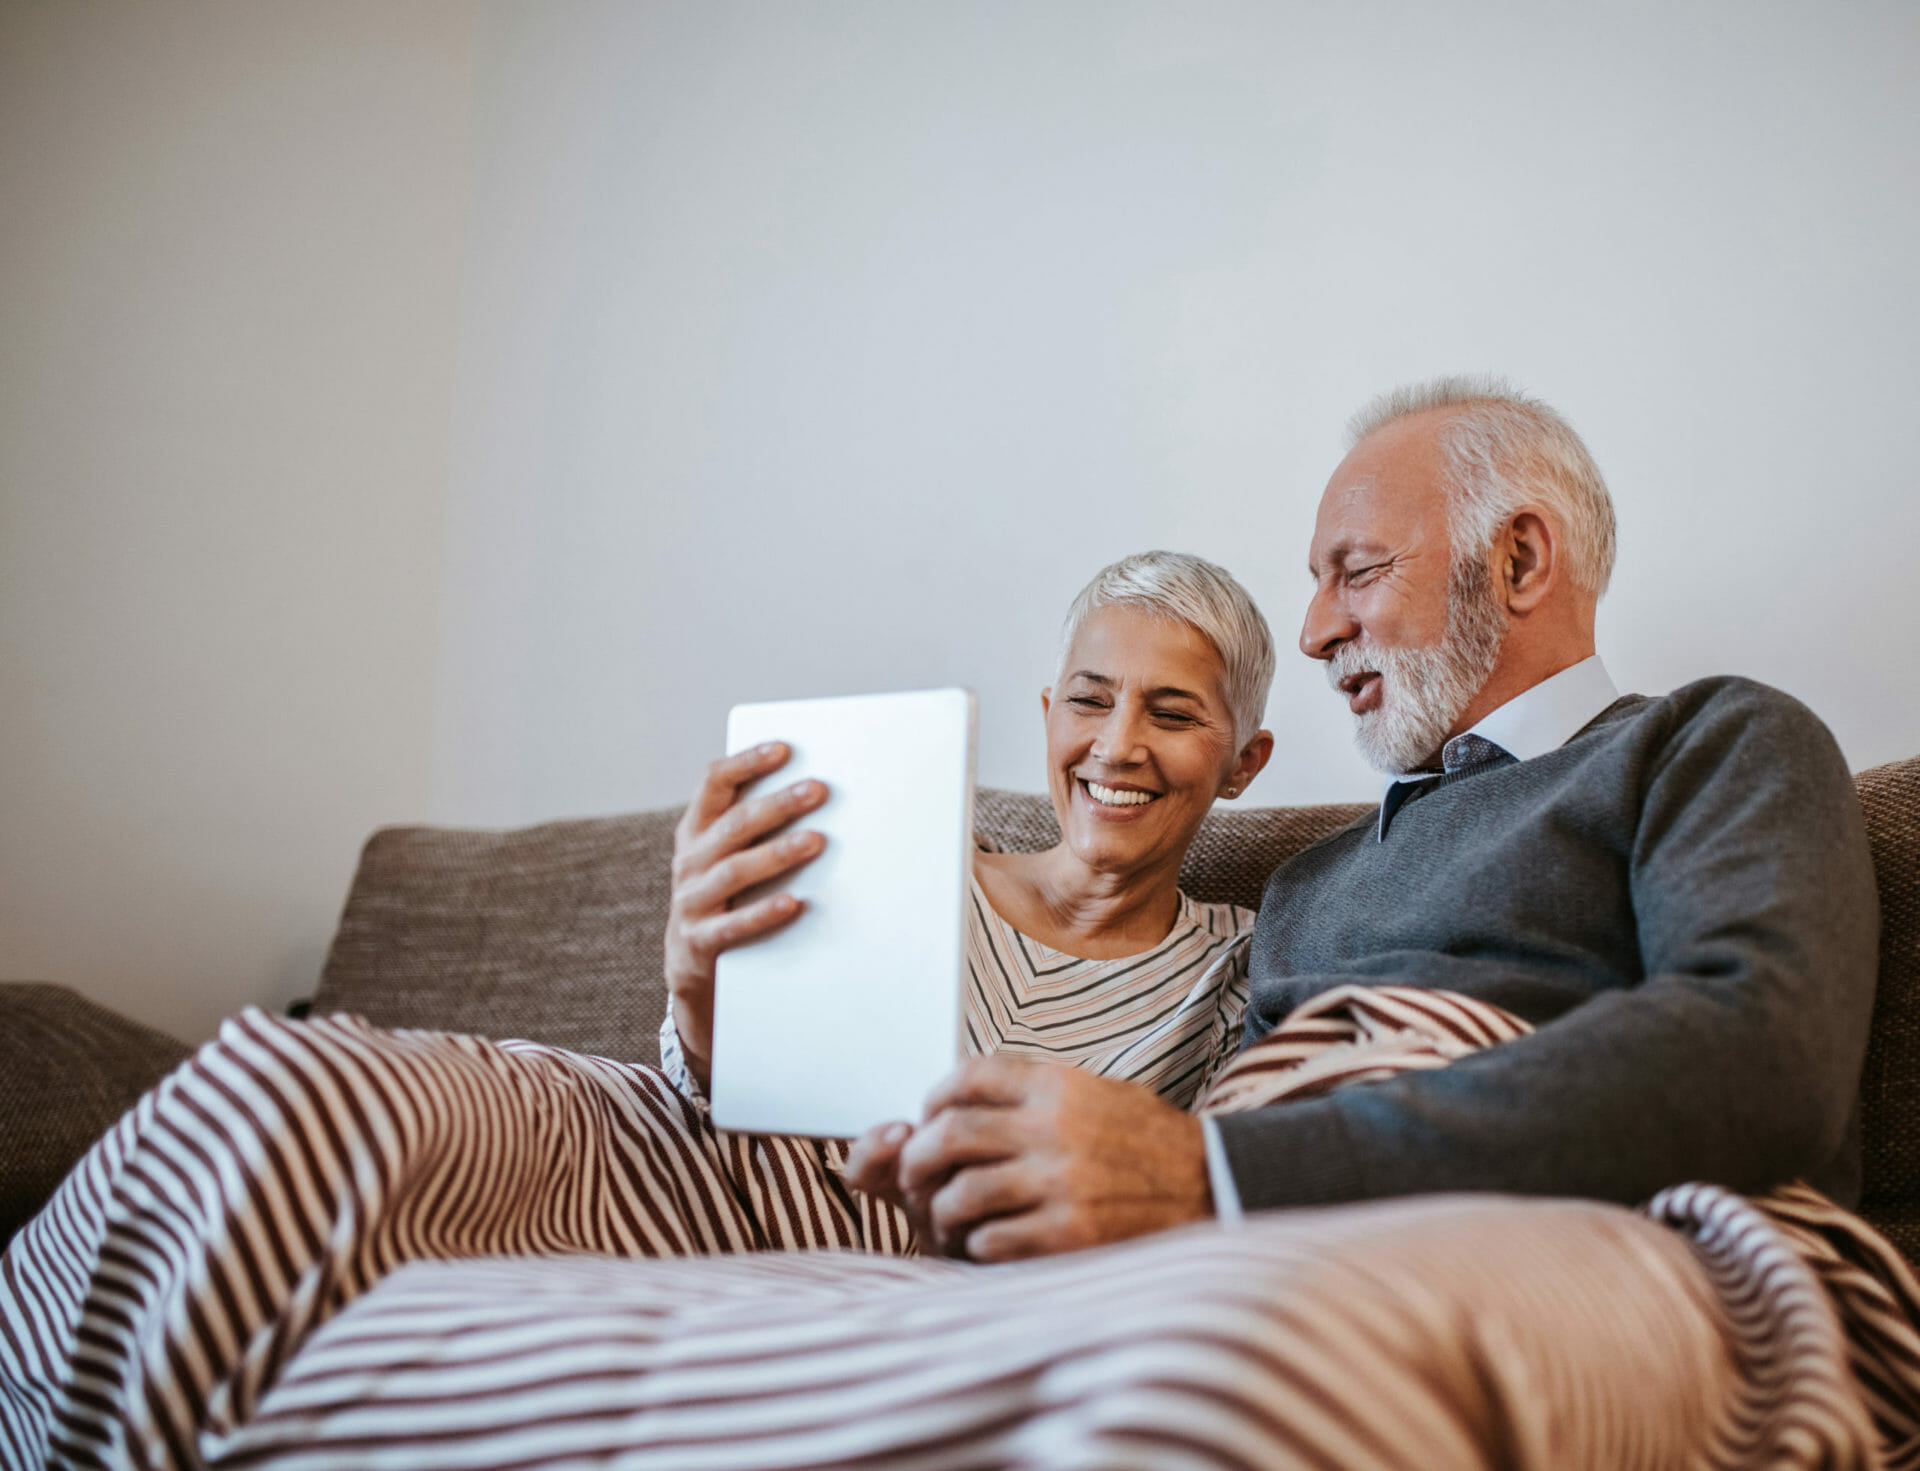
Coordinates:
1758 1251
323 1245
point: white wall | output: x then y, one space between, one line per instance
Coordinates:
229 265
448 410
826 348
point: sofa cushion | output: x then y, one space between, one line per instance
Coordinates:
68 1070
553 933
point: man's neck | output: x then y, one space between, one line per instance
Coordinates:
1515 674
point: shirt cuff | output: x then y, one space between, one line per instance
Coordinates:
673 1063
1226 1195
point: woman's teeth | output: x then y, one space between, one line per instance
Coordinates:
1111 797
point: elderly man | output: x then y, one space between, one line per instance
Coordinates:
1675 892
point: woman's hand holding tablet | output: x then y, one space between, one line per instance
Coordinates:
728 843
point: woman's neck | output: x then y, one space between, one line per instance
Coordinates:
1056 899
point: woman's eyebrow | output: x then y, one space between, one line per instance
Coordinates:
1174 692
1162 692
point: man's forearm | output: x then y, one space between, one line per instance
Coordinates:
1678 1078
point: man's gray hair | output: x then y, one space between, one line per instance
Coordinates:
1505 449
1191 590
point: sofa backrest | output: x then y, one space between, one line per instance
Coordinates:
554 933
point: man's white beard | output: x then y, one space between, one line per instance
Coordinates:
1423 691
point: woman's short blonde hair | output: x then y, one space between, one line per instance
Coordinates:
1190 590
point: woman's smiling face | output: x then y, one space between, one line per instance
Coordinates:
1140 738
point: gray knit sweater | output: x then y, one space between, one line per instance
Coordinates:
1680 899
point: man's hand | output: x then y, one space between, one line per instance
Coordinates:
1022 1158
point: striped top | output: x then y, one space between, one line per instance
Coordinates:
1165 1018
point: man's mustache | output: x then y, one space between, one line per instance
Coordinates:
1350 660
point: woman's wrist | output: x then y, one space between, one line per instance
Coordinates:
689 1070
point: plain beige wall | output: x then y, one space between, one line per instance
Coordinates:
230 240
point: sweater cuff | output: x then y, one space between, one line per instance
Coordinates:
1289 1154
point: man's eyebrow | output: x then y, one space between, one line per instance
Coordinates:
1342 552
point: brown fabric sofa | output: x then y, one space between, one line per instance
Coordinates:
554 933
68 1069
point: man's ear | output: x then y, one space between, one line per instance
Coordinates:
1529 561
1252 760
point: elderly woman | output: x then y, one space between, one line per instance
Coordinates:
1086 953
290 1167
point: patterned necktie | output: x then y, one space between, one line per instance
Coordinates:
1462 753
1468 750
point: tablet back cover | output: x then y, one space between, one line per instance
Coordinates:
849 1015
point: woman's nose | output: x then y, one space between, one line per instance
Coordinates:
1118 739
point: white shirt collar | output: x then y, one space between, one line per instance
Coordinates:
1552 713
1545 717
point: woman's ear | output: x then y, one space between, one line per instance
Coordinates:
1046 702
1248 764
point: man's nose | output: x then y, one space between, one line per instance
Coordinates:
1328 625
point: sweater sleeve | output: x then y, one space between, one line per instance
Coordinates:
1734 1059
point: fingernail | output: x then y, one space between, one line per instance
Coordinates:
766 748
894 1133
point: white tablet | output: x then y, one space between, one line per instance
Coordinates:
849 1015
